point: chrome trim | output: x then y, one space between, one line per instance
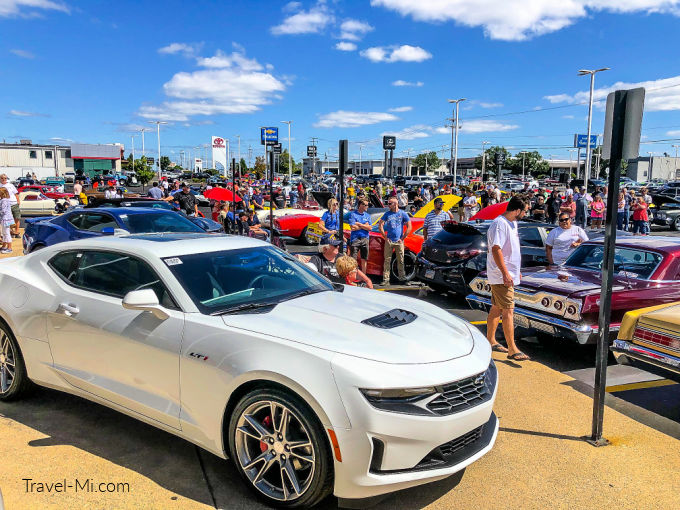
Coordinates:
623 349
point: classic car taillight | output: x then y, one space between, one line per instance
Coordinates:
545 302
558 305
571 310
591 303
480 286
657 338
463 254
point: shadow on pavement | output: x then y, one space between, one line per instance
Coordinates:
542 434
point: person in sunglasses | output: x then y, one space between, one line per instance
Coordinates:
563 240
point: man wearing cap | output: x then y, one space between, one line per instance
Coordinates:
435 218
257 200
324 261
186 201
395 226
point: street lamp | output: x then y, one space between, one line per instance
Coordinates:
484 157
454 140
142 130
290 170
584 72
133 152
523 153
676 150
158 132
649 168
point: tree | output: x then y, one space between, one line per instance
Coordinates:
429 160
533 164
259 167
242 166
490 163
165 162
283 162
144 175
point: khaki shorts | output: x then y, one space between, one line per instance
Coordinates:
503 297
16 212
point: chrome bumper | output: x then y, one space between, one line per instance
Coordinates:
624 350
582 333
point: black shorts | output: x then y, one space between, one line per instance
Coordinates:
361 246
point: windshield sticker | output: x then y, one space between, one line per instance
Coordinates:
173 261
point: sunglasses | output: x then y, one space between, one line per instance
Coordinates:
564 220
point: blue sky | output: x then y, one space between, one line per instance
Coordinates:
96 71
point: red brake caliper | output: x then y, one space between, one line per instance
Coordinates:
267 422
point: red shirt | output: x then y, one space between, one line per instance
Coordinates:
640 212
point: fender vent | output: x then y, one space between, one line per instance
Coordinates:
390 319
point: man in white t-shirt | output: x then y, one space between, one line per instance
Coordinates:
563 240
14 202
503 264
470 205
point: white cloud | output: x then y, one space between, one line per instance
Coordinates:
354 30
567 116
22 113
23 54
28 8
484 126
401 109
312 21
345 46
403 53
186 49
673 133
661 95
490 105
516 20
229 84
345 119
403 83
292 7
60 139
411 133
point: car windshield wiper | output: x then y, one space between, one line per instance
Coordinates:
244 307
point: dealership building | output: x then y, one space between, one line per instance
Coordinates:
27 158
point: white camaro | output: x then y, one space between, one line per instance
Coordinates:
309 387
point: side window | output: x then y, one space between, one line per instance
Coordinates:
76 220
64 264
530 237
96 222
116 274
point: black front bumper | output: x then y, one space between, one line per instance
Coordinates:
450 277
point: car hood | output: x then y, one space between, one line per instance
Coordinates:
333 321
564 281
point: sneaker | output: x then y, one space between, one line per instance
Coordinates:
5 250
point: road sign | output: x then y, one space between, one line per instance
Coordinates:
150 161
276 148
269 135
311 151
499 158
389 142
581 141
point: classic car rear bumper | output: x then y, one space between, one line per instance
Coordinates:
528 319
446 276
625 351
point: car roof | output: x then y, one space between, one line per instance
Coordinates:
666 244
118 211
162 245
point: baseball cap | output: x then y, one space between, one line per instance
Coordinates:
438 200
330 239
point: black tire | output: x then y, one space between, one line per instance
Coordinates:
676 223
409 267
12 364
305 239
321 484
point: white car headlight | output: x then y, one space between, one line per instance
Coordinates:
401 400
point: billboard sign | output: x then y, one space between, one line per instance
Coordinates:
581 141
389 142
219 151
269 135
276 148
311 151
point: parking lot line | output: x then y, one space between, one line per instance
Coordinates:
640 385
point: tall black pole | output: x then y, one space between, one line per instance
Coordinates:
385 167
233 186
391 163
342 168
271 196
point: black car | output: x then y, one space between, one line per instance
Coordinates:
666 212
454 256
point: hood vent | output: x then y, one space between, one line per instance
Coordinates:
391 319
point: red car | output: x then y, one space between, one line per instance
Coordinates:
376 247
564 301
48 191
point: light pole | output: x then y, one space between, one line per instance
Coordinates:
571 159
290 169
158 133
239 156
584 72
133 152
484 158
676 150
649 169
361 170
454 154
142 130
523 173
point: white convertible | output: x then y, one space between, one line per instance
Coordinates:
311 388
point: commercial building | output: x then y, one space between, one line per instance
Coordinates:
27 158
400 166
654 167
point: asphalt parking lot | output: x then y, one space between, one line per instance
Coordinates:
540 459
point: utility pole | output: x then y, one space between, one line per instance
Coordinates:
361 170
133 152
676 150
484 158
250 155
142 131
158 133
290 170
523 173
454 155
239 155
314 139
584 72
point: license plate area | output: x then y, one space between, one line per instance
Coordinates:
545 328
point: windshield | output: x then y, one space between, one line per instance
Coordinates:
627 261
152 205
155 223
218 282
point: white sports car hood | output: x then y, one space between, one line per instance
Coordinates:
333 321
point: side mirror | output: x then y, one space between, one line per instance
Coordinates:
145 300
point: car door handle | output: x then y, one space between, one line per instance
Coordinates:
68 309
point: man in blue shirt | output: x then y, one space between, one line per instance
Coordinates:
392 229
155 192
360 225
258 201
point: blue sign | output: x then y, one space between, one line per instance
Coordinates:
269 135
581 141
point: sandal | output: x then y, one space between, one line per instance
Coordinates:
498 348
519 356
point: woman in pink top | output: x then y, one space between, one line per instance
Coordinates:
597 212
569 207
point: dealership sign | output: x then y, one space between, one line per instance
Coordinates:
219 152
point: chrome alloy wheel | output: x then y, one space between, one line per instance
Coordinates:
275 450
7 363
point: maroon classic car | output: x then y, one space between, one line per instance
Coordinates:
564 301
